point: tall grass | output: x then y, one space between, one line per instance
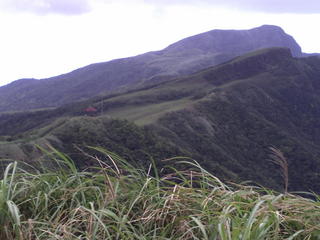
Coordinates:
278 158
117 201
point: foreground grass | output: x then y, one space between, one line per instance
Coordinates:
118 201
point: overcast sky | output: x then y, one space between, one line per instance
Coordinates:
44 38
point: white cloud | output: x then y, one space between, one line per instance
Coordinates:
43 7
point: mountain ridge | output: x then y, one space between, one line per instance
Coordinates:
200 51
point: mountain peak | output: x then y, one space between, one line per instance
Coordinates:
270 27
187 56
240 41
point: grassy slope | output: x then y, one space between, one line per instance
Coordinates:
149 113
226 117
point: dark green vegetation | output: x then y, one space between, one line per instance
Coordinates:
226 117
184 57
119 201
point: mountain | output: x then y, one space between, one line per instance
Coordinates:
226 117
184 57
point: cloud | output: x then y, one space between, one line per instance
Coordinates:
267 6
76 7
44 7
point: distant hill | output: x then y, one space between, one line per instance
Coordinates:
184 57
226 117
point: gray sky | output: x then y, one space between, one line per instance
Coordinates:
73 7
271 6
44 38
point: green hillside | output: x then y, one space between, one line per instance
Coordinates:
226 117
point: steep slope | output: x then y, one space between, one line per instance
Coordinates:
226 117
184 57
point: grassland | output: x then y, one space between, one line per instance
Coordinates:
149 113
114 200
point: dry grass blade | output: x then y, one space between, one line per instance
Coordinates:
279 159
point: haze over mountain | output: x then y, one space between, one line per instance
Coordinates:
184 57
226 117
